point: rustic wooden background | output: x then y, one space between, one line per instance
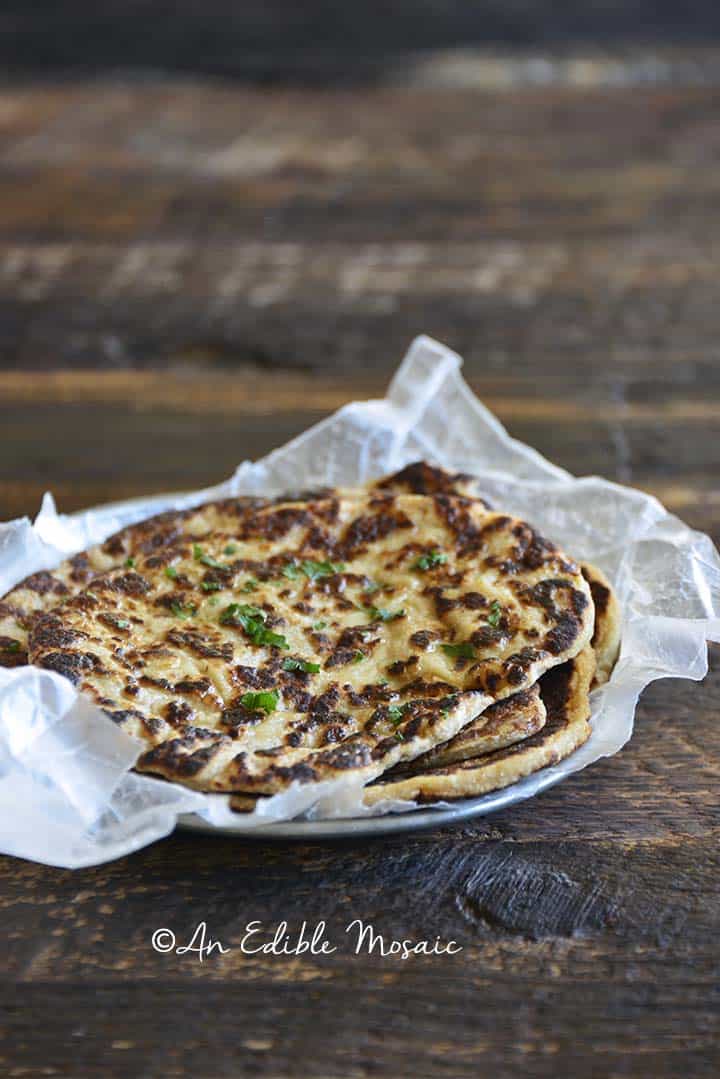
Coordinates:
192 270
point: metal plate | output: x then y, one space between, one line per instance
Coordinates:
392 823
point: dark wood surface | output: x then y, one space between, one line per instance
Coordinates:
190 274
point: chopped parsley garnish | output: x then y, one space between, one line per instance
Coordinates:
246 610
121 623
321 569
12 646
311 569
494 614
183 610
130 563
379 614
304 665
200 556
264 701
429 560
397 712
210 586
459 651
252 620
250 585
230 549
171 572
358 657
319 625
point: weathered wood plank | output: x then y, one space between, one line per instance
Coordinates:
275 43
184 224
152 431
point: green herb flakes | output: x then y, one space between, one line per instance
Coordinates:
312 570
494 614
252 620
210 586
319 625
234 611
230 549
130 563
264 701
171 572
459 651
183 610
379 614
429 560
358 657
304 665
200 556
250 585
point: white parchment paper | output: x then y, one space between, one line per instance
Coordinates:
68 796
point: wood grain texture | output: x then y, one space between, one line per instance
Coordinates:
190 274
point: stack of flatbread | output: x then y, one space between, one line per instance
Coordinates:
403 633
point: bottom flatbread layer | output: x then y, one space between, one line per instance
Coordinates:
565 692
501 725
608 622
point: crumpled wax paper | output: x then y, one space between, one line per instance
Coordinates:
68 796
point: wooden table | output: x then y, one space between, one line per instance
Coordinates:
190 274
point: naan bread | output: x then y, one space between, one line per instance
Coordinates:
39 593
565 693
501 725
43 591
608 622
423 478
434 608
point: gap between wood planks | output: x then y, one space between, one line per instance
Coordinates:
256 392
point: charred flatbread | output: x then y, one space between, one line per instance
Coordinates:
608 622
565 693
420 477
333 636
41 592
564 696
504 723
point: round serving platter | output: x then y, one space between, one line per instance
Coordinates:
354 827
413 820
